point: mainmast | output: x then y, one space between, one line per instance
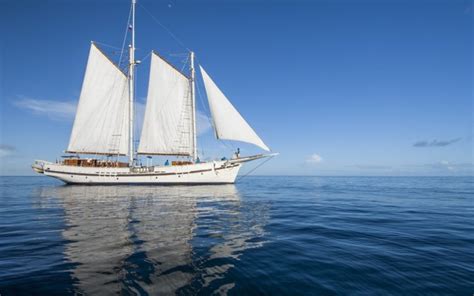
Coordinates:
131 77
193 107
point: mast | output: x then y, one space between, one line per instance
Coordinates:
131 78
193 106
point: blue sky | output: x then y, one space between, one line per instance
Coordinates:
337 87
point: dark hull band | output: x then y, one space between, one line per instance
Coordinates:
148 184
138 174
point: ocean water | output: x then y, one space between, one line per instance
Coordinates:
262 236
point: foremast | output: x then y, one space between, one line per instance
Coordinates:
193 107
131 81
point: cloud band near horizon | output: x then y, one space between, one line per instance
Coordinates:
436 143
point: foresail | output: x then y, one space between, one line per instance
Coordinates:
228 122
101 123
167 125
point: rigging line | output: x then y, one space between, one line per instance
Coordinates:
126 33
184 63
201 100
189 93
211 122
106 45
164 27
227 145
102 113
146 57
109 105
252 170
178 54
135 116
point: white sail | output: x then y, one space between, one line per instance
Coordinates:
167 126
101 125
228 122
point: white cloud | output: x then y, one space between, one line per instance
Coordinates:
203 123
6 150
314 158
436 143
66 110
447 165
57 110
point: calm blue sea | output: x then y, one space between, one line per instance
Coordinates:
262 236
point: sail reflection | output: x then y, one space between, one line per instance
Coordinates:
155 240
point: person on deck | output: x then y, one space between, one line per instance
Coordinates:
237 153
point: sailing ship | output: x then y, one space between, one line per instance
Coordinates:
104 126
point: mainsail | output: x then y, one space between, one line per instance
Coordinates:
228 122
101 125
167 126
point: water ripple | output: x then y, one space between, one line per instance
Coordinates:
263 236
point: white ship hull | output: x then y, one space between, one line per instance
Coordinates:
216 172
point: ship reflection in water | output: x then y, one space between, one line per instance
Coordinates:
156 240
